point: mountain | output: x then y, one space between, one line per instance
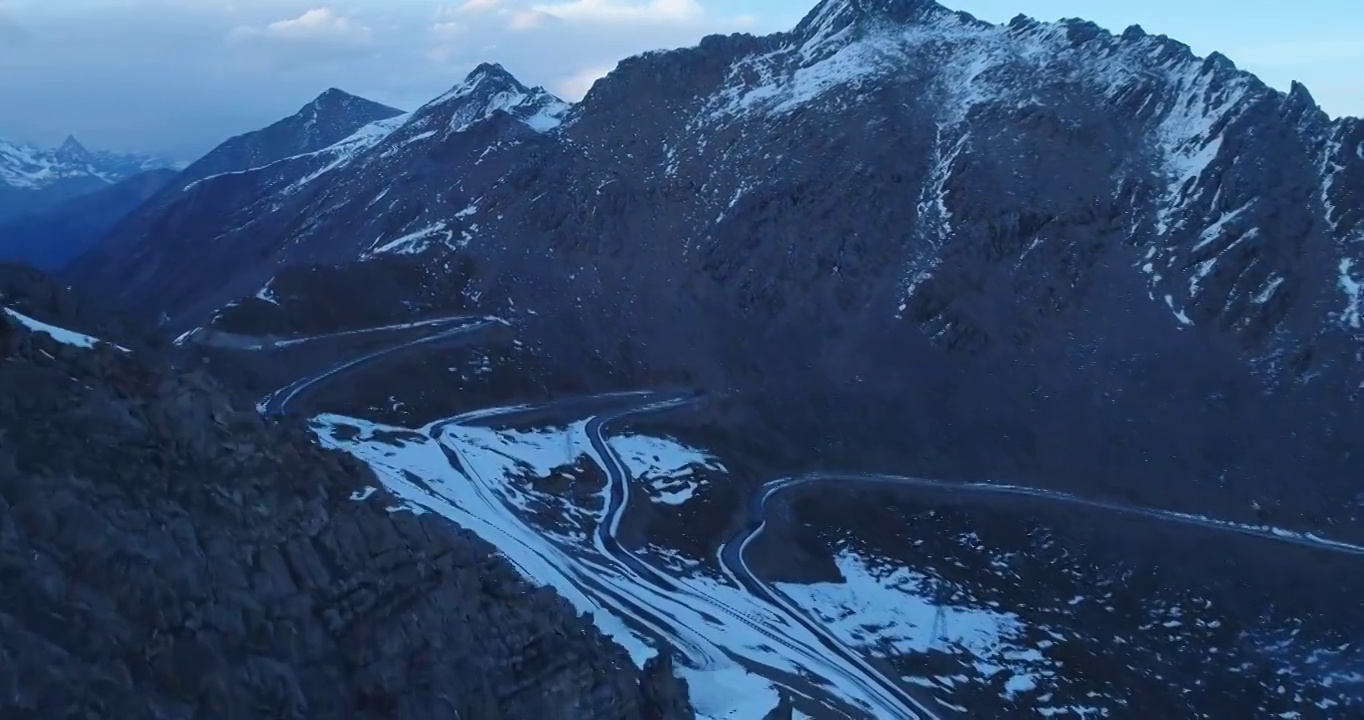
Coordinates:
331 118
903 237
448 137
169 552
34 180
51 238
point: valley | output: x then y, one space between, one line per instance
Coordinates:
898 365
814 592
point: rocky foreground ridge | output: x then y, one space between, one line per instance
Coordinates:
167 553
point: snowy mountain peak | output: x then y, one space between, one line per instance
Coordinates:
71 150
484 92
491 71
485 80
71 164
835 17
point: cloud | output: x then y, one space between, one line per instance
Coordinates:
478 6
319 25
621 12
316 36
575 85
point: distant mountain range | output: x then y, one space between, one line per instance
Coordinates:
54 228
1029 250
35 179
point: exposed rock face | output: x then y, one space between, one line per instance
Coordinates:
782 711
166 552
912 240
664 692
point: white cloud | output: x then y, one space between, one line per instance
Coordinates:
527 19
478 6
318 24
575 85
622 11
447 30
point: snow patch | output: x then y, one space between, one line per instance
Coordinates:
1354 295
413 242
475 477
665 467
61 335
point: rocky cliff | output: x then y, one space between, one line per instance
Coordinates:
166 552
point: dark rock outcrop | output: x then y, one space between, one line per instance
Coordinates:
166 552
664 693
782 711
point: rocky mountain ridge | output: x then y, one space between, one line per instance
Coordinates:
170 553
1030 250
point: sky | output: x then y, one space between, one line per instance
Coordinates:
179 76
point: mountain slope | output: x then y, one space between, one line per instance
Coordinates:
50 239
167 552
330 118
908 238
410 156
33 179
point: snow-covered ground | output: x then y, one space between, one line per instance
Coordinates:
484 479
665 467
61 335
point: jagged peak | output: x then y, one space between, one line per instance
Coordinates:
490 71
332 98
72 151
832 16
490 79
334 95
335 99
71 143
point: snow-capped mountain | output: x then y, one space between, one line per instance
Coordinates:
33 179
912 238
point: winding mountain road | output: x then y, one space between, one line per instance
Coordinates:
277 402
651 592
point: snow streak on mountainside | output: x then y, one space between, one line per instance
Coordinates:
330 118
